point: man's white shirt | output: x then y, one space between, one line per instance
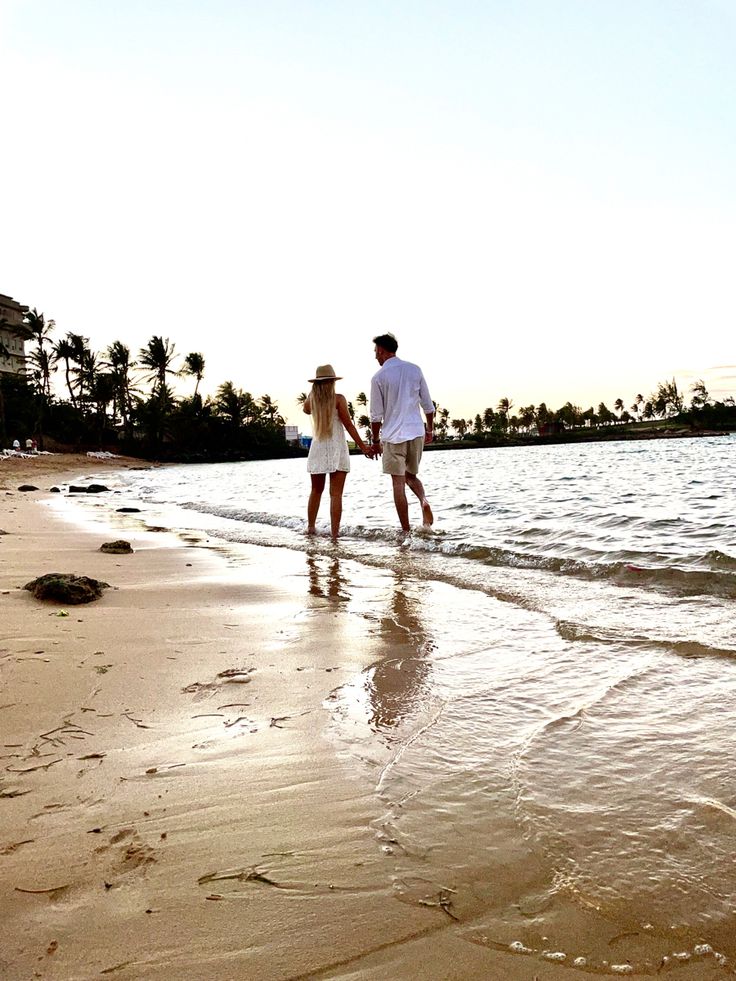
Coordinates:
398 389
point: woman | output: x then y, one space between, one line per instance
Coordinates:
328 453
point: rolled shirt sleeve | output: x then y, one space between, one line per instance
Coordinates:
377 407
425 399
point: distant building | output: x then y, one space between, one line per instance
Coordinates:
291 434
11 317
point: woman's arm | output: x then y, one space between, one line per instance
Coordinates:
344 416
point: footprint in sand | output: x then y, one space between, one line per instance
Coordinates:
237 676
131 852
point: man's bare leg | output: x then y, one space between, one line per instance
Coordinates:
402 506
418 487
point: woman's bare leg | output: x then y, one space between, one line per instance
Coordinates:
315 496
337 483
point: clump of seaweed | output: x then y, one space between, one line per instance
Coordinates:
120 547
65 587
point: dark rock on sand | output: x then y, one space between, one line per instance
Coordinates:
55 490
129 510
27 487
119 547
65 587
90 489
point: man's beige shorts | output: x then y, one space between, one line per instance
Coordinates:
402 458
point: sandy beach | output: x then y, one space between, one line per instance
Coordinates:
171 804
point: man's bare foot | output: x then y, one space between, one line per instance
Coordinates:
312 530
427 516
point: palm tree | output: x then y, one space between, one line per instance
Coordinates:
118 359
86 372
36 328
156 359
460 426
504 407
301 398
43 364
64 351
527 415
618 406
269 407
194 365
103 392
232 404
361 399
444 416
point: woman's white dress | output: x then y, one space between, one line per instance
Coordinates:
330 453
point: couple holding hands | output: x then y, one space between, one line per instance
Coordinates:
398 392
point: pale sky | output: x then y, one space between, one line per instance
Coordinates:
536 197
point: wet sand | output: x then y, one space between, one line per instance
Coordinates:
171 804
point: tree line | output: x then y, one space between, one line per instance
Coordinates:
117 398
666 402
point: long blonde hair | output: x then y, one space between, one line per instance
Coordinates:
322 404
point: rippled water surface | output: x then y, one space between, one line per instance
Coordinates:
551 732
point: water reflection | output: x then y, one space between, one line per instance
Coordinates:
398 684
325 577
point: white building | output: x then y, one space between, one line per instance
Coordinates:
11 317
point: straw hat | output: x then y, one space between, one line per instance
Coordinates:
325 373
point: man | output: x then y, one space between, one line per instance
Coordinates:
398 390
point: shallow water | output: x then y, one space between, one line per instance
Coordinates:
551 731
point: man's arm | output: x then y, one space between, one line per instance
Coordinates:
376 442
429 428
425 400
376 416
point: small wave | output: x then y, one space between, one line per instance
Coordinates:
580 633
720 559
716 579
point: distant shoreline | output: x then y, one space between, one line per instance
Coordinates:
580 436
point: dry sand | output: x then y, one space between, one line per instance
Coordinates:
171 804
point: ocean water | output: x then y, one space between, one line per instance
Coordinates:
551 729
